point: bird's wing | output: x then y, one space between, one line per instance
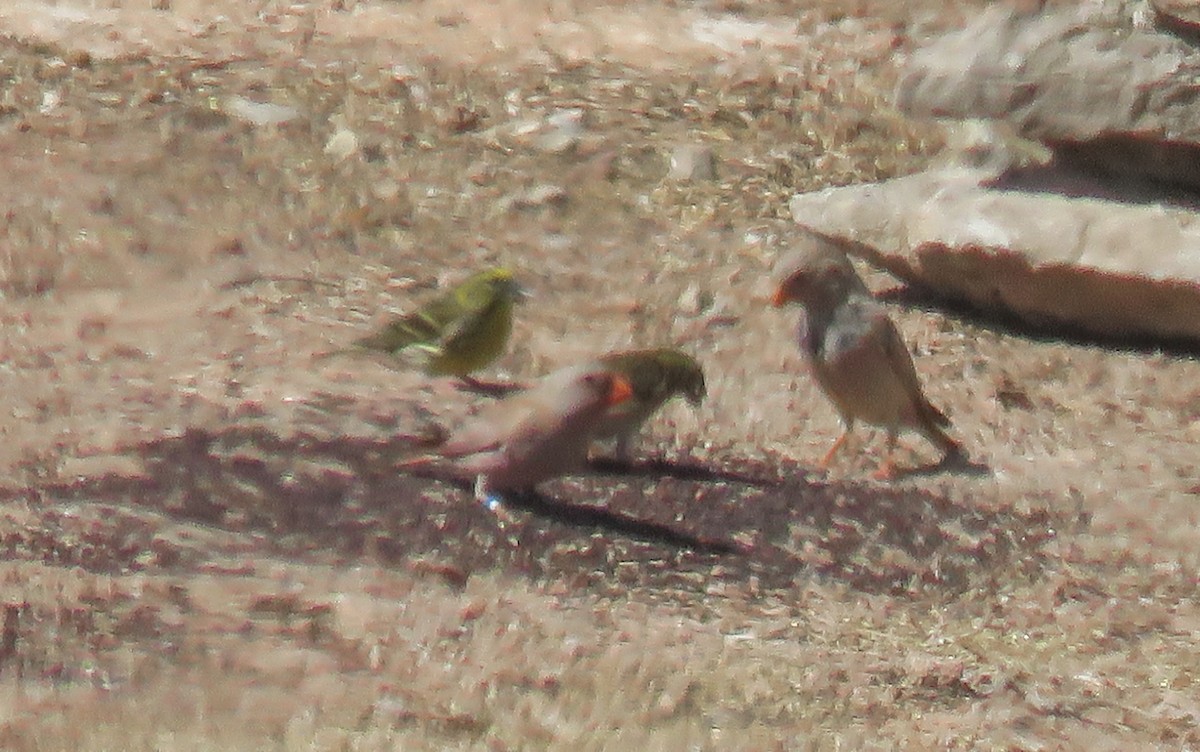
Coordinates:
806 338
900 360
423 327
472 438
494 425
469 320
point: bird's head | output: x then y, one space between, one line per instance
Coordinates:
657 374
816 273
683 375
611 388
498 284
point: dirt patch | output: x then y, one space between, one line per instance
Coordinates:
206 543
672 526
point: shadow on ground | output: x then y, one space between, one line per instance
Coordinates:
672 528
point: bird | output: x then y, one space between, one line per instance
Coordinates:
856 353
534 435
460 331
656 375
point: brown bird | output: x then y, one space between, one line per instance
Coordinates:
857 355
536 434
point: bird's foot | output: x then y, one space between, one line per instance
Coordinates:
955 455
623 451
495 389
886 471
492 501
495 504
827 460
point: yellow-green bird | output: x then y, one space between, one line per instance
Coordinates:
459 332
655 375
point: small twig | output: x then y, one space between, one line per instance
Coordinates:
8 633
255 279
681 471
490 388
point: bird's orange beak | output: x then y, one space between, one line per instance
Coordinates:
780 298
619 391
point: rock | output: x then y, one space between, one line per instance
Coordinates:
563 131
692 162
342 145
992 145
559 132
1180 16
1102 95
539 196
1109 268
695 300
258 113
1104 236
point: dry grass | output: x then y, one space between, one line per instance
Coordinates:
204 545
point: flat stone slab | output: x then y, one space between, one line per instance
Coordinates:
1181 16
1106 267
1103 95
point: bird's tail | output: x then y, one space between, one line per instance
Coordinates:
426 438
412 463
334 353
417 449
430 434
934 422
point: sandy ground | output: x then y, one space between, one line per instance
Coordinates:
205 544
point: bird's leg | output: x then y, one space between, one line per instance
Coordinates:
837 445
887 470
472 384
494 389
624 448
482 495
491 501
